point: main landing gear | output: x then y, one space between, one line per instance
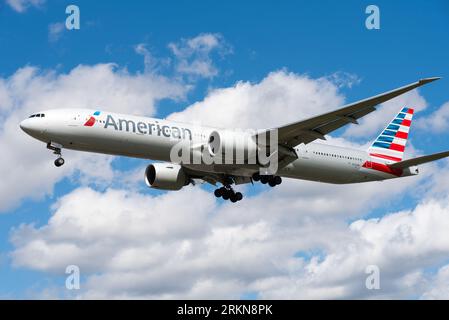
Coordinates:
271 180
56 150
227 193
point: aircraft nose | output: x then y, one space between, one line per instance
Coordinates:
24 125
29 126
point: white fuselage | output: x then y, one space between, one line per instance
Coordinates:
149 138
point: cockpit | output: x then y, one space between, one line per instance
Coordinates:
37 115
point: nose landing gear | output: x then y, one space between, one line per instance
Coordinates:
59 162
56 150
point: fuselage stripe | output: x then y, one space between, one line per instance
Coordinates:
384 156
383 168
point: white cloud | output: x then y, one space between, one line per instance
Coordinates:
193 55
280 98
438 286
55 31
131 245
151 63
23 5
104 86
437 121
344 79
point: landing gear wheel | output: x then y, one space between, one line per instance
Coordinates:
218 193
256 177
56 148
277 180
239 196
264 179
227 194
59 162
272 183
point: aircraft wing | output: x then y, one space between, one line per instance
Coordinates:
308 130
213 177
420 160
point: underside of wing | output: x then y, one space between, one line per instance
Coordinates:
216 177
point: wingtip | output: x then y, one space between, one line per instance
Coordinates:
427 80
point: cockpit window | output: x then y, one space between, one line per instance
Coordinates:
37 115
32 116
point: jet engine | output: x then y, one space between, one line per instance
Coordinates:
228 145
166 176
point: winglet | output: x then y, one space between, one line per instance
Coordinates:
428 80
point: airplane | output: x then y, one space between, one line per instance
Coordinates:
298 154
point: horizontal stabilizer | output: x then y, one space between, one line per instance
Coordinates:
420 160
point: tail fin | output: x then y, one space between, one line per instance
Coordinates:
390 144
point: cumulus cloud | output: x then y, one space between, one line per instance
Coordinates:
29 89
55 31
23 5
133 245
194 55
437 121
133 219
437 286
151 63
280 98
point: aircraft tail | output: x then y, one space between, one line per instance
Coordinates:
390 144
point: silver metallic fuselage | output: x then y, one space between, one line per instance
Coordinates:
150 138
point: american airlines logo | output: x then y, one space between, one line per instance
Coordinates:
91 121
148 128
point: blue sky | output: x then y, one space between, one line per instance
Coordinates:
313 38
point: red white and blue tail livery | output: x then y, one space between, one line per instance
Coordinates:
390 144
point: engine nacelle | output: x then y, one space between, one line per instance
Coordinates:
165 176
237 146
